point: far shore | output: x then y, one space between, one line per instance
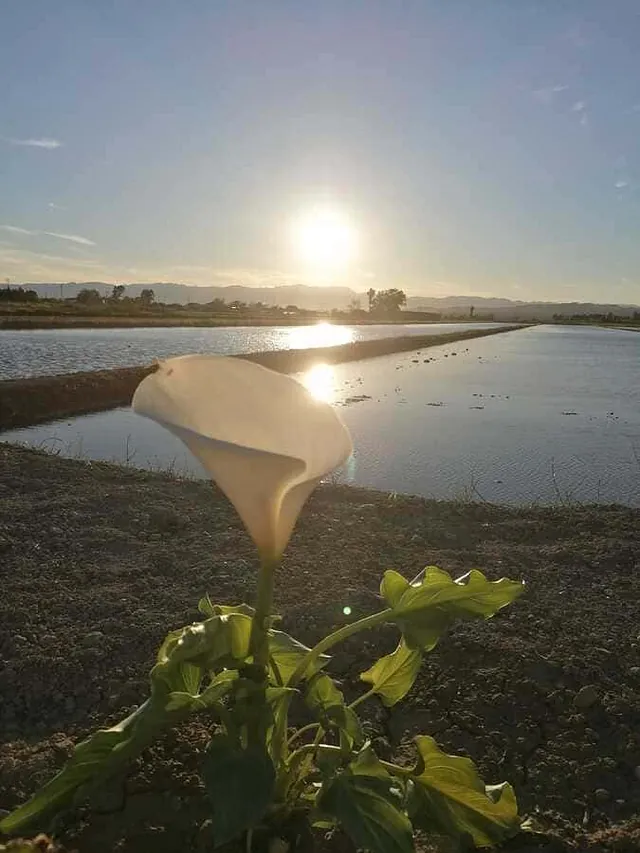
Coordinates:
25 322
29 401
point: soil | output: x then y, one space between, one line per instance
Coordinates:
24 402
99 562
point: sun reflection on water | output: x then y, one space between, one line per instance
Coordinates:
320 335
320 381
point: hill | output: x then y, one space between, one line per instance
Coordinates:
325 298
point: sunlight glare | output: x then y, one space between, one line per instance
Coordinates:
319 335
325 241
320 382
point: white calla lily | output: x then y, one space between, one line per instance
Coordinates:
261 436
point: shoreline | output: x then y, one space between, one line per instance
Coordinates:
29 401
26 322
83 545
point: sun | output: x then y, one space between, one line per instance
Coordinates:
325 241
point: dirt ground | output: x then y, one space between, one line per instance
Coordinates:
98 562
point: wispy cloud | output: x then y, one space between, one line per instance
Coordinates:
53 206
578 107
41 142
27 254
584 119
15 229
72 238
620 185
26 265
547 93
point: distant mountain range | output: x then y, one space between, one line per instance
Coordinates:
326 298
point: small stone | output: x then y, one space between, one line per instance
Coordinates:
601 795
634 670
586 696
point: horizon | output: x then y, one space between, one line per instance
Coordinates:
476 149
449 296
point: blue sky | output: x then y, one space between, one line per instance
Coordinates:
487 147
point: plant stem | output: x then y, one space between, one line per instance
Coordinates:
260 627
337 637
302 731
362 698
394 769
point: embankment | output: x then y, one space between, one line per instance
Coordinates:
24 402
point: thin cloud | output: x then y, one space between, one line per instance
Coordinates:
547 93
620 185
28 254
72 238
53 206
15 229
578 107
43 142
584 120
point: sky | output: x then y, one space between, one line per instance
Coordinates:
482 147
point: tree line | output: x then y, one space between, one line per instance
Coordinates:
381 303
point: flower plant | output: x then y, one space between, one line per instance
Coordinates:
267 443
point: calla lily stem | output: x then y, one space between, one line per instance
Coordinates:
262 616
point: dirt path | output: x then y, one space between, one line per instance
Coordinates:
98 562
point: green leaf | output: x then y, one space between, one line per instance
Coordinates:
219 687
220 641
433 600
97 757
327 703
362 800
240 783
393 587
286 653
449 797
392 676
208 608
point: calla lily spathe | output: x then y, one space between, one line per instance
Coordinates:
261 436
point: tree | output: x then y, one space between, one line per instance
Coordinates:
18 294
372 295
89 296
354 305
217 304
388 301
117 293
147 297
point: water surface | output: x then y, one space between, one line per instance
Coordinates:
49 351
548 414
